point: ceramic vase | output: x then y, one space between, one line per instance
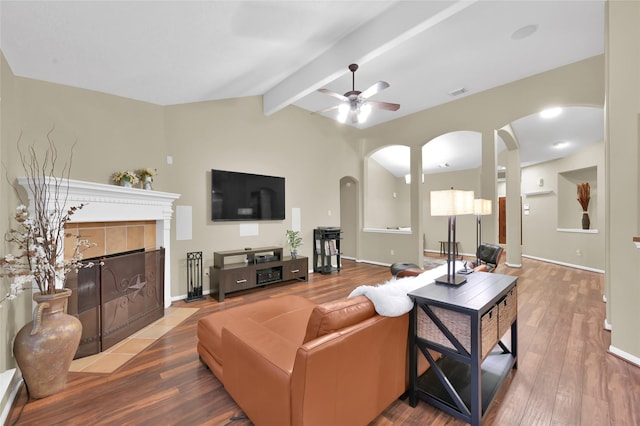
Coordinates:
586 223
45 347
125 182
147 183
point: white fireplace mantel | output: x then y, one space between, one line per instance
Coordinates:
111 203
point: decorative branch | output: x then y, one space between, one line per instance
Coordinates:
584 195
39 237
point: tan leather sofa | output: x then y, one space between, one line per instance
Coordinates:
288 361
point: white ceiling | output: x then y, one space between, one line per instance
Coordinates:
172 52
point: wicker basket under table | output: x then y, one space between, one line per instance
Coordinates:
460 326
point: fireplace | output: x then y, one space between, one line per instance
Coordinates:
117 298
111 304
115 205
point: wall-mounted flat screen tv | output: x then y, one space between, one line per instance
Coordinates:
246 196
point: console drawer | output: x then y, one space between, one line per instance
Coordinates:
238 279
295 269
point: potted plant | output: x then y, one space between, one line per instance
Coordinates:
44 347
126 178
146 175
294 240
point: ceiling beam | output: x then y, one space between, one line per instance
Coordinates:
395 25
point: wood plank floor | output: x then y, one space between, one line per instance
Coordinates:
565 375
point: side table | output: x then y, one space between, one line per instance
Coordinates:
466 324
444 249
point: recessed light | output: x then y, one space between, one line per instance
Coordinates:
524 32
560 144
551 112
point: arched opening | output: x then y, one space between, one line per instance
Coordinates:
554 154
451 160
387 198
349 216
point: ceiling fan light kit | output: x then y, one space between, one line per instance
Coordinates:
356 104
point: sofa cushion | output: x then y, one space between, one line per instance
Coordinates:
210 327
333 316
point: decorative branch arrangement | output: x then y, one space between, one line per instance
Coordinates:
38 237
584 195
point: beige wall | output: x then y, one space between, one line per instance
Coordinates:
622 146
540 236
312 154
387 199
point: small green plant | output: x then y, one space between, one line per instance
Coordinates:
294 240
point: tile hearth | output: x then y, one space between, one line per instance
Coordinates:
116 356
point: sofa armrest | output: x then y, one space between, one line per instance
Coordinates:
257 369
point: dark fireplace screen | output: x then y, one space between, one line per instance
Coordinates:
118 298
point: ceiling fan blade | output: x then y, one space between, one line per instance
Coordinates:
384 105
331 108
334 94
377 87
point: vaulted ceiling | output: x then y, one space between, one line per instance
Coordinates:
172 52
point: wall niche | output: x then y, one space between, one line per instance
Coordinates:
569 209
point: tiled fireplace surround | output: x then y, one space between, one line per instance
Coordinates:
117 219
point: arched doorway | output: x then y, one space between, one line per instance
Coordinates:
349 216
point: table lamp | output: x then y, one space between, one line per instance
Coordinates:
451 203
481 207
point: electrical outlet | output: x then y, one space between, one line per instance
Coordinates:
392 252
578 252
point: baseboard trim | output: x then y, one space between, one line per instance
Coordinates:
624 355
373 262
570 265
10 382
607 325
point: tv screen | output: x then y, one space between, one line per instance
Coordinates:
246 196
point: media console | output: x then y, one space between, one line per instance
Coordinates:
244 269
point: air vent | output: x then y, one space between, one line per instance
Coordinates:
457 92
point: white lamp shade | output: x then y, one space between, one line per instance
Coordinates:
451 202
481 207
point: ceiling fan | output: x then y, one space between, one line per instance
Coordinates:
355 104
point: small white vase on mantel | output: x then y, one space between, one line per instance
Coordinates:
126 183
147 183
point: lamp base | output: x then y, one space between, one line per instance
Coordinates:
451 280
